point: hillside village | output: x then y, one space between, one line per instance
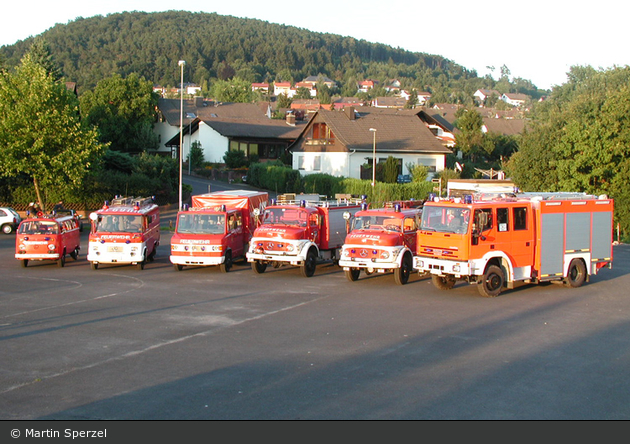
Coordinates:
341 138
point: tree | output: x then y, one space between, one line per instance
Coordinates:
390 170
40 54
124 112
579 139
41 133
235 90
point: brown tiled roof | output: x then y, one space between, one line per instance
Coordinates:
245 120
396 131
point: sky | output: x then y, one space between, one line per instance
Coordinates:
537 40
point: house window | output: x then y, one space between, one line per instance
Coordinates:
300 162
322 133
317 163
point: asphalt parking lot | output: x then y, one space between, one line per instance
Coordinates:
119 343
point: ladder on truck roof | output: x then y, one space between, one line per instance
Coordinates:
132 201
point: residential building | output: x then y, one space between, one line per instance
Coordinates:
219 127
343 143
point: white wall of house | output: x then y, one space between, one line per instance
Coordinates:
349 164
213 144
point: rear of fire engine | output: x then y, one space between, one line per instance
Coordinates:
382 240
127 231
499 242
299 234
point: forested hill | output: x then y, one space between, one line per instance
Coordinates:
215 46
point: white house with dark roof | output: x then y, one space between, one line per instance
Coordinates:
341 142
219 127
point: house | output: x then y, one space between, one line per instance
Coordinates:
219 127
515 99
389 102
483 94
262 87
421 97
366 85
306 105
313 80
309 86
393 86
345 143
282 88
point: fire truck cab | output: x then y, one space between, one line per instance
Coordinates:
127 231
382 240
300 234
48 238
499 242
217 229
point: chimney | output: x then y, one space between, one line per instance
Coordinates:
198 101
290 118
349 112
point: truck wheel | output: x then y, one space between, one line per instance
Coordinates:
227 262
94 265
491 283
401 275
151 255
259 267
353 274
62 260
7 228
443 282
140 265
75 254
178 267
576 275
308 266
24 263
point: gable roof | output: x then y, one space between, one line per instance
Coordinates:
234 120
397 131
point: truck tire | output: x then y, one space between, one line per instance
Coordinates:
401 275
491 283
310 263
178 267
75 254
443 282
227 262
24 263
576 274
353 274
259 267
62 260
94 265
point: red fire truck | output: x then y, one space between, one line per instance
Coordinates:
300 233
217 229
500 242
382 240
48 238
127 231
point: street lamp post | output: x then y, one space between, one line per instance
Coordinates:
373 156
181 63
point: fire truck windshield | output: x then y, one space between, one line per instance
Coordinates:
190 223
372 222
445 219
286 216
119 224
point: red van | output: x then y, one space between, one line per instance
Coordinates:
48 238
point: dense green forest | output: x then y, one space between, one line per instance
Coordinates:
150 45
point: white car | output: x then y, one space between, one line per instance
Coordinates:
9 220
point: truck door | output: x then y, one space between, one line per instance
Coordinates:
410 226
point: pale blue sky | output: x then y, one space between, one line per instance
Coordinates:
538 40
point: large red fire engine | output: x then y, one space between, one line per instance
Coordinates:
300 233
217 229
499 242
381 240
48 238
127 231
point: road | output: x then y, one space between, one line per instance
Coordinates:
158 344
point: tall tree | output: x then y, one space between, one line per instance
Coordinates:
124 112
580 139
41 133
